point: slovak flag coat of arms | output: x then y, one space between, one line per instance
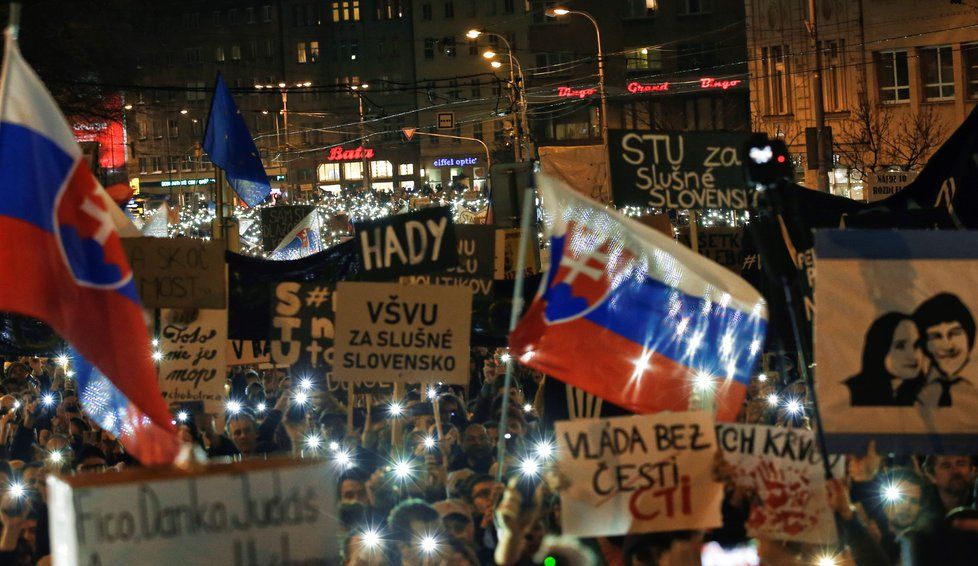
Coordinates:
634 317
63 262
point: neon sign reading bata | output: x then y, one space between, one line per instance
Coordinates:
455 161
340 154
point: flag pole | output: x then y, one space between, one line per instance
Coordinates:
13 20
514 317
220 233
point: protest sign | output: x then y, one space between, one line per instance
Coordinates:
177 272
722 245
638 474
476 263
895 350
784 468
882 184
255 512
248 352
194 364
302 327
507 250
277 221
691 170
402 333
407 244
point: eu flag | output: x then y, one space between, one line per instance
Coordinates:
228 143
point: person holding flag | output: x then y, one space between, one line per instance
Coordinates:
632 316
65 265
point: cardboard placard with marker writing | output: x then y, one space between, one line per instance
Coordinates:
302 328
407 244
178 273
194 348
638 474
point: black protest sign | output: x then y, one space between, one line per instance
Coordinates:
278 221
476 249
248 352
302 327
722 245
402 333
407 244
177 272
691 170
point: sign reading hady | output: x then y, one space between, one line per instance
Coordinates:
407 244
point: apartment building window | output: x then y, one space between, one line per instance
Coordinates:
833 74
266 13
429 48
249 15
233 17
313 51
354 50
328 171
173 128
300 49
695 7
634 9
540 8
426 11
252 50
509 6
497 131
774 63
353 171
195 91
696 55
476 89
219 53
389 10
450 9
381 169
449 44
347 11
235 52
473 8
894 76
643 59
969 55
405 169
937 70
216 17
477 130
192 55
453 91
191 20
704 113
554 63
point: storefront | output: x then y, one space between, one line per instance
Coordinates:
389 169
464 169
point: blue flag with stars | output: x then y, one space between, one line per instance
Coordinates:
228 143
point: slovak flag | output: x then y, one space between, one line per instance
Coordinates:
301 241
632 316
63 263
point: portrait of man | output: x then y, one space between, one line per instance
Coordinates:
948 330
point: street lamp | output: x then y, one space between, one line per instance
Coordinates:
558 11
522 128
284 89
359 91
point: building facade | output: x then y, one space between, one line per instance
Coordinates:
897 77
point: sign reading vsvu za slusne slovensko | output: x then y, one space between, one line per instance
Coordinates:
638 474
784 468
194 364
402 333
254 512
692 170
407 244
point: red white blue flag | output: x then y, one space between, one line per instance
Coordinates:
632 316
63 263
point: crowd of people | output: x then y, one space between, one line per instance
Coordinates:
418 475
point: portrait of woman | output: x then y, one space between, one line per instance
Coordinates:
893 365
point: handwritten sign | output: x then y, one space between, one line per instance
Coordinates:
722 245
475 263
407 244
278 221
507 253
402 333
262 512
194 364
690 170
302 327
177 272
248 352
784 468
638 474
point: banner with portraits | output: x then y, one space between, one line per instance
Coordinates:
894 353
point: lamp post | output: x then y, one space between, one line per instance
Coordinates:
284 89
603 124
358 90
522 128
